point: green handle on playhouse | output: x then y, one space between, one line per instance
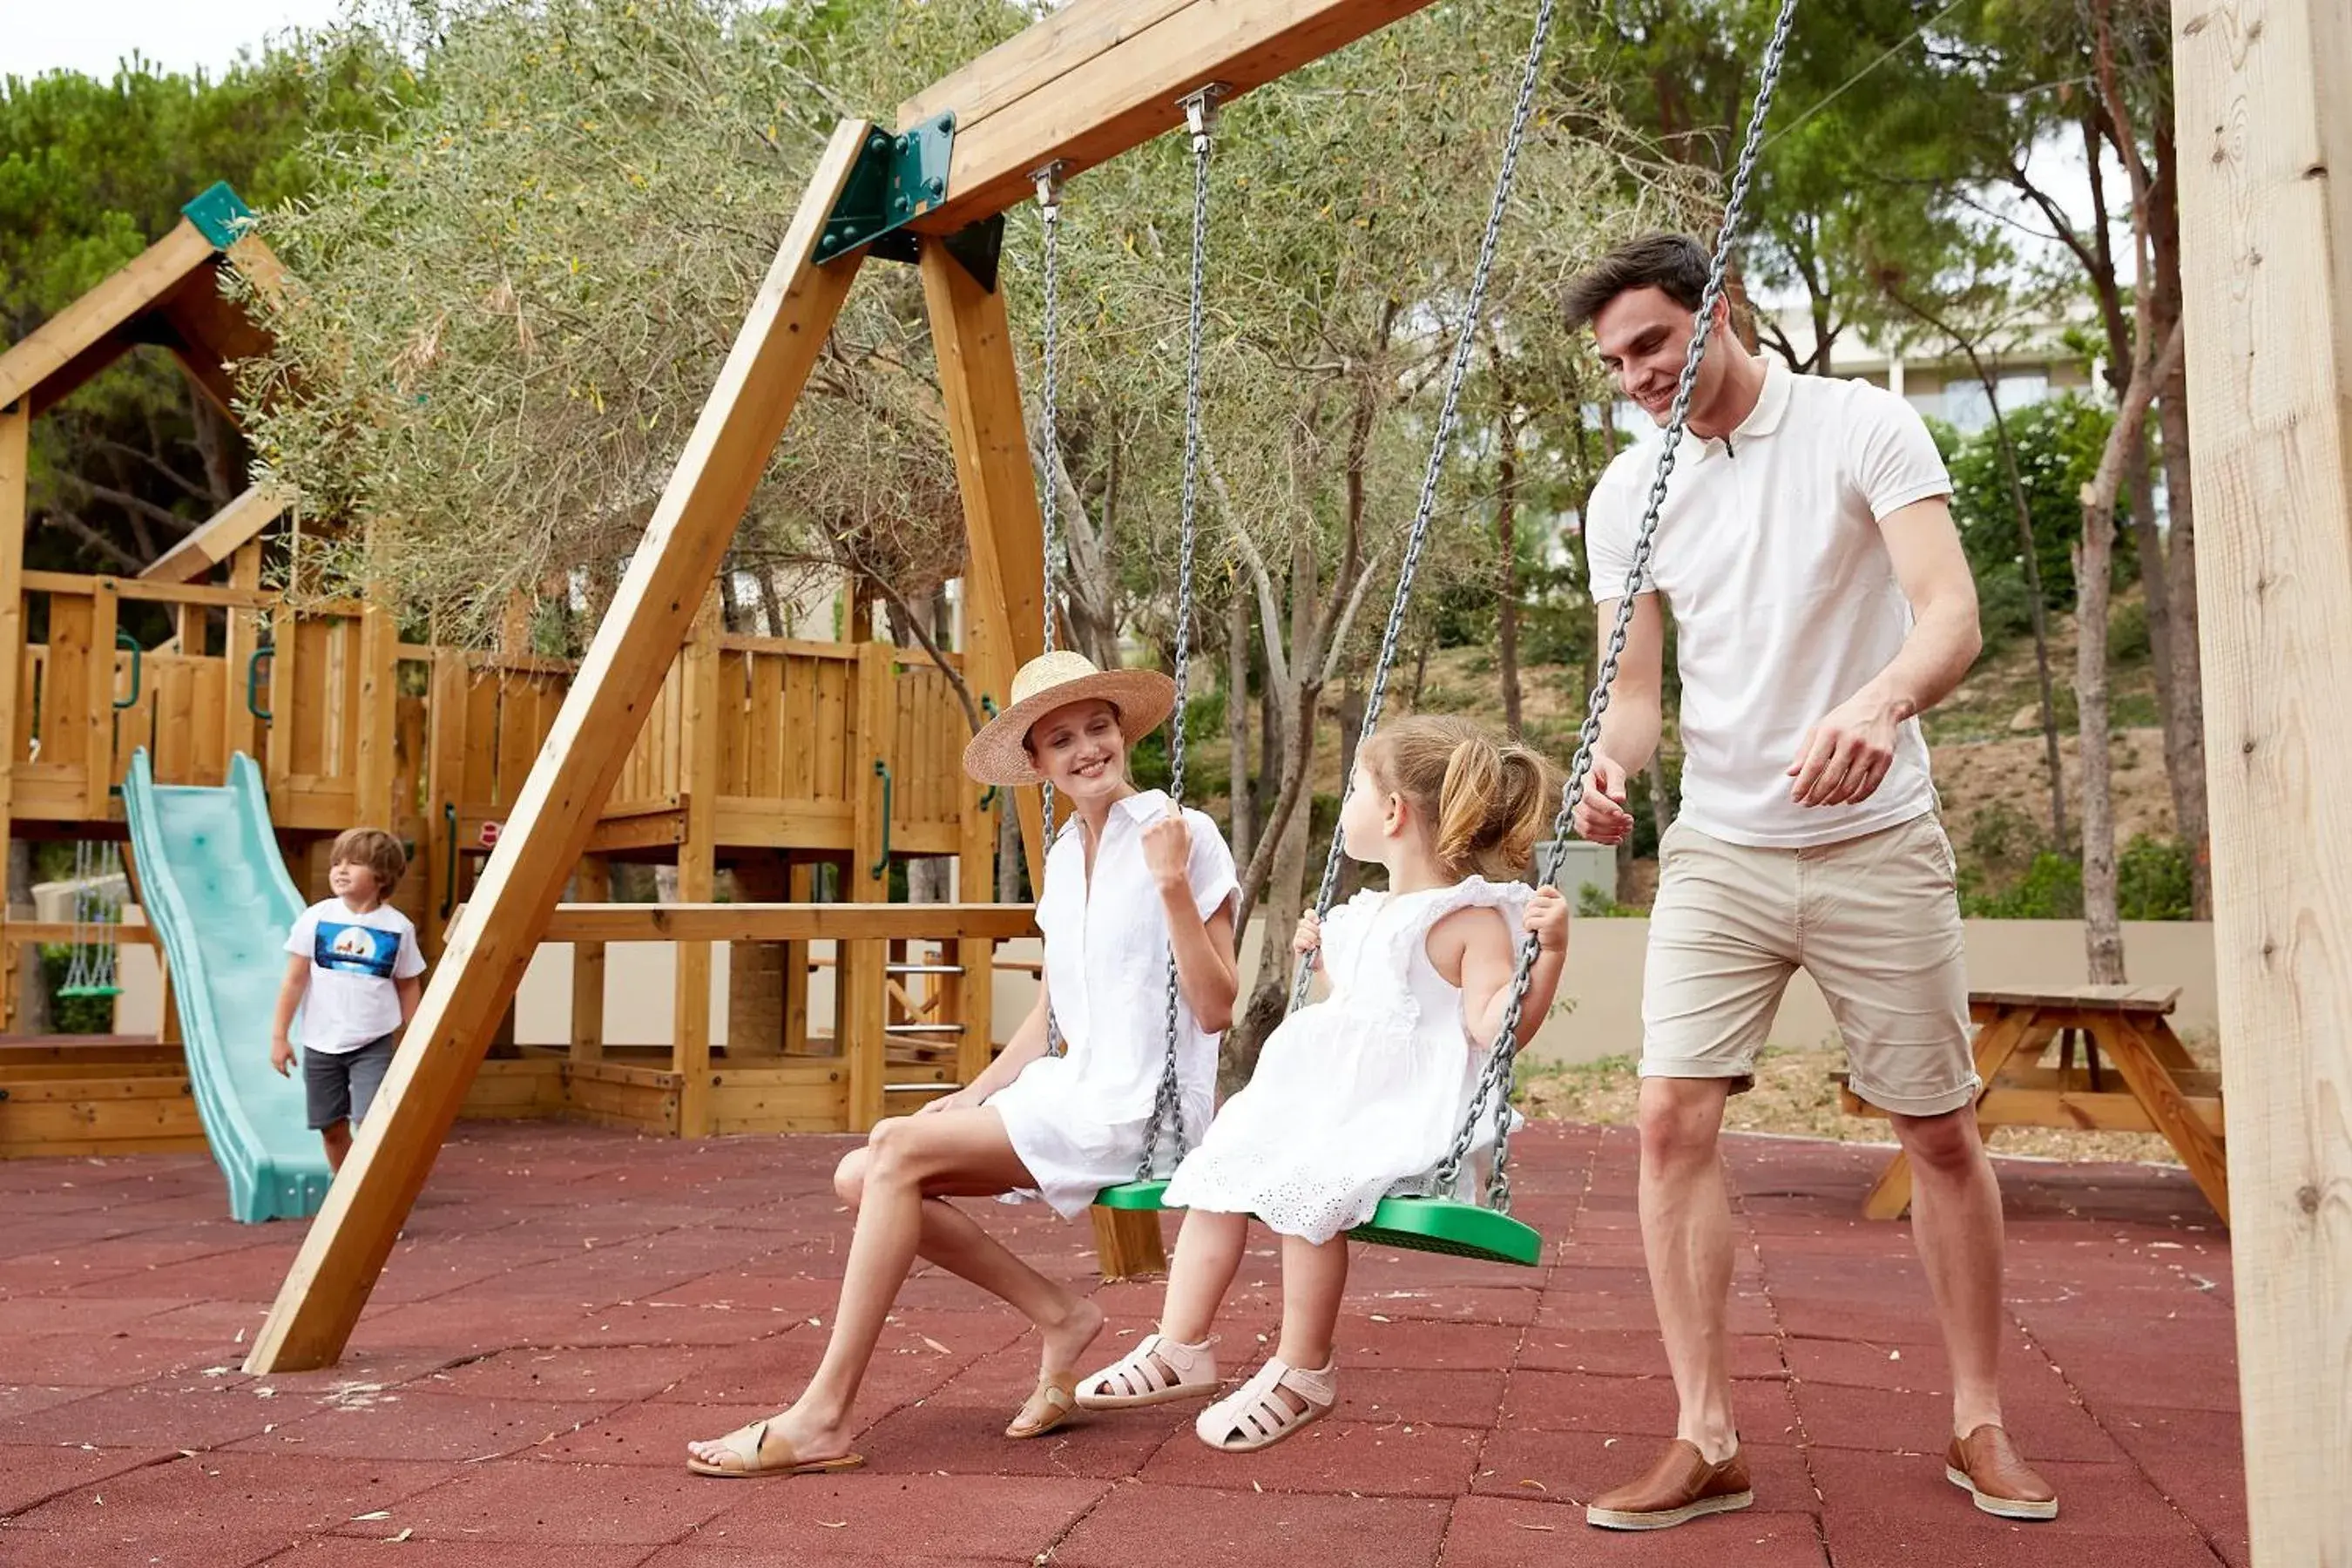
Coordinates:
125 639
253 681
881 867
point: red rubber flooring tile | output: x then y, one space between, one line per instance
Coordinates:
1351 1457
1500 1533
1148 1526
595 1505
407 1426
582 1303
899 1518
288 1494
1575 1401
30 1476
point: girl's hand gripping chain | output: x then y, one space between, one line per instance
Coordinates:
1546 917
1308 941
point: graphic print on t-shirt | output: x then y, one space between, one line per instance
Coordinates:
356 950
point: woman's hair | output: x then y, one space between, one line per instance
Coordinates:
1486 800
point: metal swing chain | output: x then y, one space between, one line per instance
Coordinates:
1530 76
1494 1083
1201 118
1049 211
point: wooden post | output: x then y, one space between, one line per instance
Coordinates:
378 717
800 888
1004 587
861 978
592 884
444 772
548 829
976 992
243 637
755 969
697 865
2265 136
98 753
1004 612
277 743
16 457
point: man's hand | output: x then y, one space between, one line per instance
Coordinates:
1601 814
1845 757
282 1056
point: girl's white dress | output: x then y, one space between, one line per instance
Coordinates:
1078 1121
1358 1095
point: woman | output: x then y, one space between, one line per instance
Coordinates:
1130 879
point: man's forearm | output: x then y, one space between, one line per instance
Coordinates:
1630 729
1934 659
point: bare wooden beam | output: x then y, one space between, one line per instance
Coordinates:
979 386
84 337
2265 136
788 922
1098 77
221 533
493 941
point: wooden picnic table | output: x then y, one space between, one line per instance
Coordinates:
2133 1075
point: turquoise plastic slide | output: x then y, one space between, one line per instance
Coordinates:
212 886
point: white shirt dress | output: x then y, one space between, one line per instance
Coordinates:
1078 1121
1359 1096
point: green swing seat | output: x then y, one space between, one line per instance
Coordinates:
1444 1225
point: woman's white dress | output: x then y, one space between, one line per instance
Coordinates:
1358 1095
1078 1121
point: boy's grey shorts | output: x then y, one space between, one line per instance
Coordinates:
339 1086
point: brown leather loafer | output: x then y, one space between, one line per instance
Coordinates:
1681 1487
1987 1465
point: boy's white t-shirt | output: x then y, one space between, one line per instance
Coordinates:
354 957
1784 598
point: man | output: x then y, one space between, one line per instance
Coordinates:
1822 603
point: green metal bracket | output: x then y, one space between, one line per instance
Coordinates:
124 639
219 216
881 867
897 180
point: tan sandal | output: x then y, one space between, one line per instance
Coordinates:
1156 1370
751 1454
1054 1401
1255 1416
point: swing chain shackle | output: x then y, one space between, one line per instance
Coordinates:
1201 118
1494 1082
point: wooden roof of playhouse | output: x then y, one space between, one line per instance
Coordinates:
169 296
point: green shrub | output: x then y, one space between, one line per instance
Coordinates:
2152 878
2051 889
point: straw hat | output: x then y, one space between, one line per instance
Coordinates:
999 754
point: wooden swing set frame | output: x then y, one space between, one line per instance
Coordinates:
2267 149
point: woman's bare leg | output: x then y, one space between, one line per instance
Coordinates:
951 1238
908 1160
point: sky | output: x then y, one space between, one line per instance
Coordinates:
91 36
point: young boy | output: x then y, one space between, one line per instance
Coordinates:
354 972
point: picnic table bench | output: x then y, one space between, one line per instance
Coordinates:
2149 1083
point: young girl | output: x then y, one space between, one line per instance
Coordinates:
1129 881
1359 1096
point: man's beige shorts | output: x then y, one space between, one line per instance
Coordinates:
1874 919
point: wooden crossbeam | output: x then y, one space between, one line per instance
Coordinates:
1098 77
493 941
240 521
88 335
2265 128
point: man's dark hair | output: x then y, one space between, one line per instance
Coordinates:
1674 264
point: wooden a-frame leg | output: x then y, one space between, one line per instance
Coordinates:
549 827
1004 591
2152 1086
1996 1042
